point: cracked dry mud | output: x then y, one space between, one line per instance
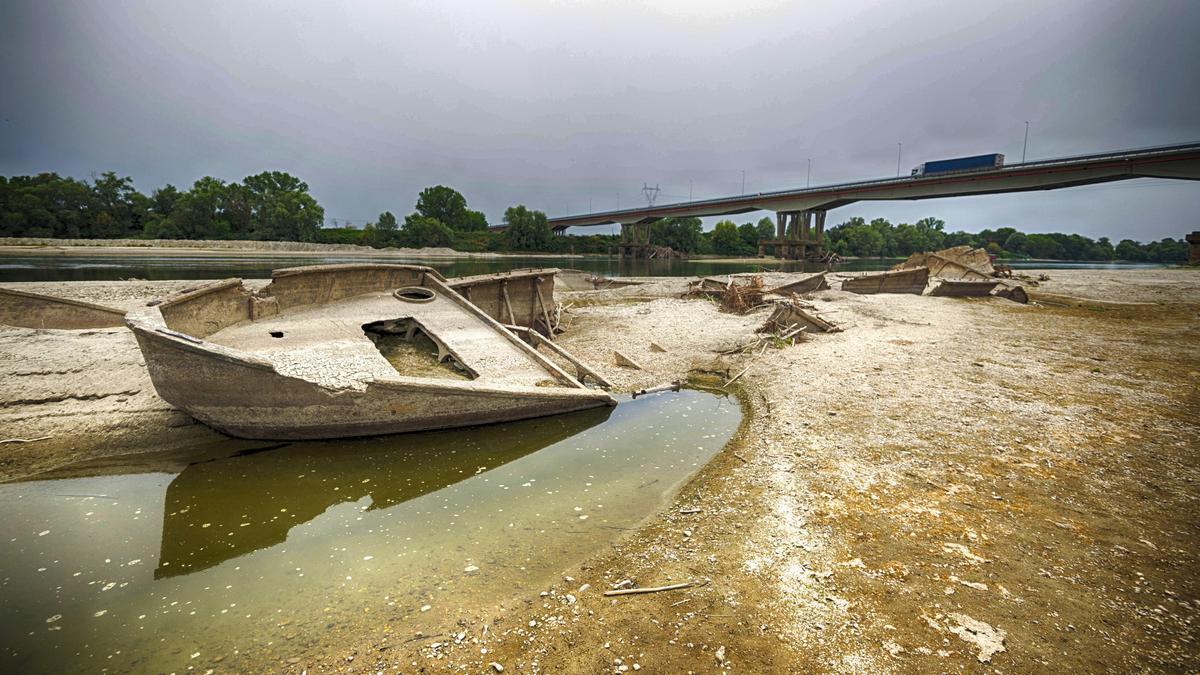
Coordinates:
948 485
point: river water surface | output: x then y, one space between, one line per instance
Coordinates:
113 267
242 555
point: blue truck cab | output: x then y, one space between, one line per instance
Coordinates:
974 163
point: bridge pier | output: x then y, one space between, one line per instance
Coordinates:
635 240
1193 241
798 235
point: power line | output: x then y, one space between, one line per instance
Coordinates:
651 193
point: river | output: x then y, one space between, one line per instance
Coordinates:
112 267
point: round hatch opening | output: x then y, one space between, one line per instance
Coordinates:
414 294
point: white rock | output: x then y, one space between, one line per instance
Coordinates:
989 640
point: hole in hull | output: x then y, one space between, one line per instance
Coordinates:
412 351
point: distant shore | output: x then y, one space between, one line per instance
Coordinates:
188 247
36 246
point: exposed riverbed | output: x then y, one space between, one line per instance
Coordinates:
944 477
235 554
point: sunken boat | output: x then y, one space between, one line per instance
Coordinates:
333 351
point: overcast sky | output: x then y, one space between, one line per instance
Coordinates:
566 105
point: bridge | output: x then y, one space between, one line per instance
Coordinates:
800 213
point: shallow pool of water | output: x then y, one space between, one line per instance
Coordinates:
242 555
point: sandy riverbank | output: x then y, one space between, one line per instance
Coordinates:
943 478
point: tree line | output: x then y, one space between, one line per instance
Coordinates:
272 205
276 206
880 238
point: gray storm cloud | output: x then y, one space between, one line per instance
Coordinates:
562 105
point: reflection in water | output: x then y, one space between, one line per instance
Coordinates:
223 508
241 556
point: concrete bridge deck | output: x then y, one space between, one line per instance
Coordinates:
801 212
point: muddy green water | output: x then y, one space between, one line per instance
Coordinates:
240 556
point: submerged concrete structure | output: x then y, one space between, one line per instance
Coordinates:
347 350
801 213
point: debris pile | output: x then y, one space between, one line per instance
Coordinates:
790 315
734 294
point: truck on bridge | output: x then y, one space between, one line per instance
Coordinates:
973 163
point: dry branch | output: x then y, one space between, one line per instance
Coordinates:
24 440
653 589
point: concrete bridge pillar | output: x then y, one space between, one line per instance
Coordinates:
798 234
635 240
1193 241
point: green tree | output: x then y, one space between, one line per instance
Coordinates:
766 228
450 207
1017 243
748 233
725 238
163 200
1130 251
420 231
864 240
387 222
281 208
199 213
887 234
681 234
1043 246
114 214
526 230
475 221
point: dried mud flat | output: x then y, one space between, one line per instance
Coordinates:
949 484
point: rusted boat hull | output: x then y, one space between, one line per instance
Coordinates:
901 281
956 288
246 398
236 359
810 284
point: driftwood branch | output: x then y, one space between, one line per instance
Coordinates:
24 440
674 386
652 589
735 377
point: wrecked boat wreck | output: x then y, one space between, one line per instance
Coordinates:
911 280
348 350
956 262
34 310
